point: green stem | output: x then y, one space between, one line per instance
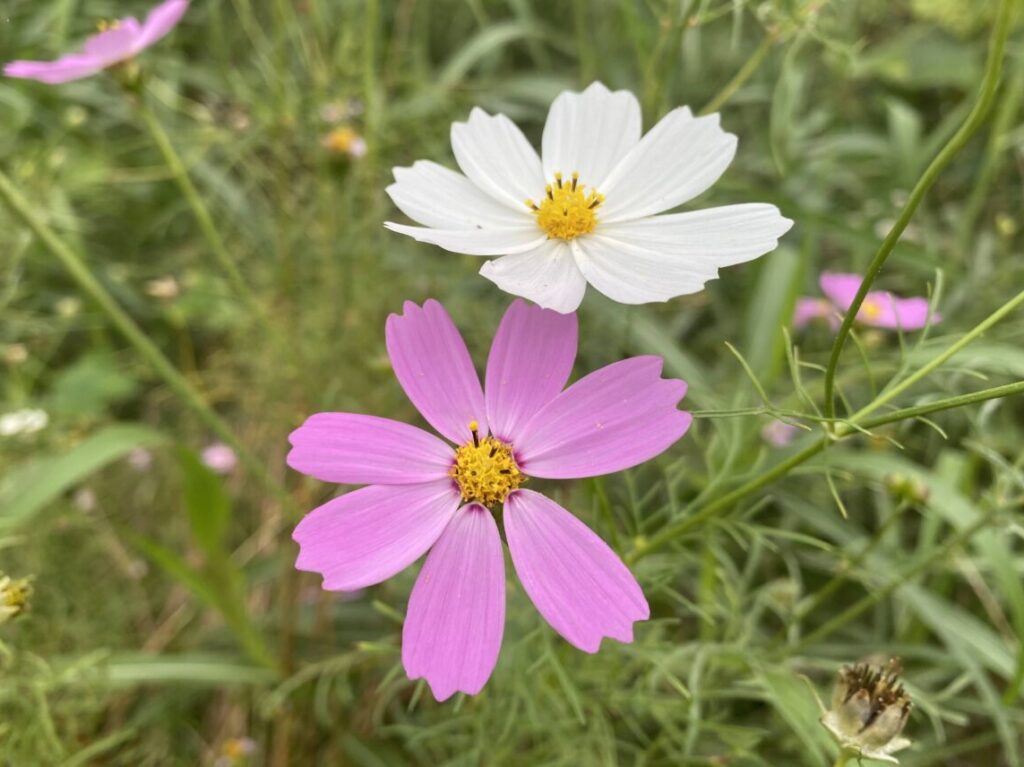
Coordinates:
842 430
741 77
199 208
845 755
79 271
986 97
891 393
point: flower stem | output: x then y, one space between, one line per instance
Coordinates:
974 120
845 755
744 74
841 430
81 274
199 208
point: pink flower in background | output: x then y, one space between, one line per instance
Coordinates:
219 458
427 494
120 41
779 433
880 309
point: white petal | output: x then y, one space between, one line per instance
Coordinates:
476 242
590 132
721 236
433 195
547 275
677 160
496 156
658 258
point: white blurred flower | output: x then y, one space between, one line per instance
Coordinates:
140 459
586 212
163 287
85 499
219 458
15 354
27 421
68 306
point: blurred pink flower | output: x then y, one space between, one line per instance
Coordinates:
779 433
881 309
140 459
427 494
120 41
219 458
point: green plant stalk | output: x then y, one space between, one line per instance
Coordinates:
745 72
146 349
971 124
845 755
843 429
199 208
1002 123
889 394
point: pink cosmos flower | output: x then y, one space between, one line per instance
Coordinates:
427 494
779 433
119 42
219 458
880 309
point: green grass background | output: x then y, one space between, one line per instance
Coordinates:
167 618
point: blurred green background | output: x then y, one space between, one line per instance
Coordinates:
167 625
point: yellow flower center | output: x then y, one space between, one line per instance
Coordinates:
340 140
485 469
13 597
870 310
567 209
106 26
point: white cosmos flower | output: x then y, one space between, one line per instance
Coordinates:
586 212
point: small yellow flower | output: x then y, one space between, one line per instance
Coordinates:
14 596
235 752
343 140
869 709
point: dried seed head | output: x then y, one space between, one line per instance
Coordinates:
869 710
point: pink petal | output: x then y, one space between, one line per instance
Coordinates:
882 309
366 536
160 21
574 579
840 288
808 309
65 69
614 418
529 363
349 448
452 633
434 367
115 44
913 313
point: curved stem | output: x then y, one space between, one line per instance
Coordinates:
741 77
79 271
986 97
841 430
199 209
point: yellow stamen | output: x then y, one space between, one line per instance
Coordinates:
567 209
106 26
870 310
485 469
